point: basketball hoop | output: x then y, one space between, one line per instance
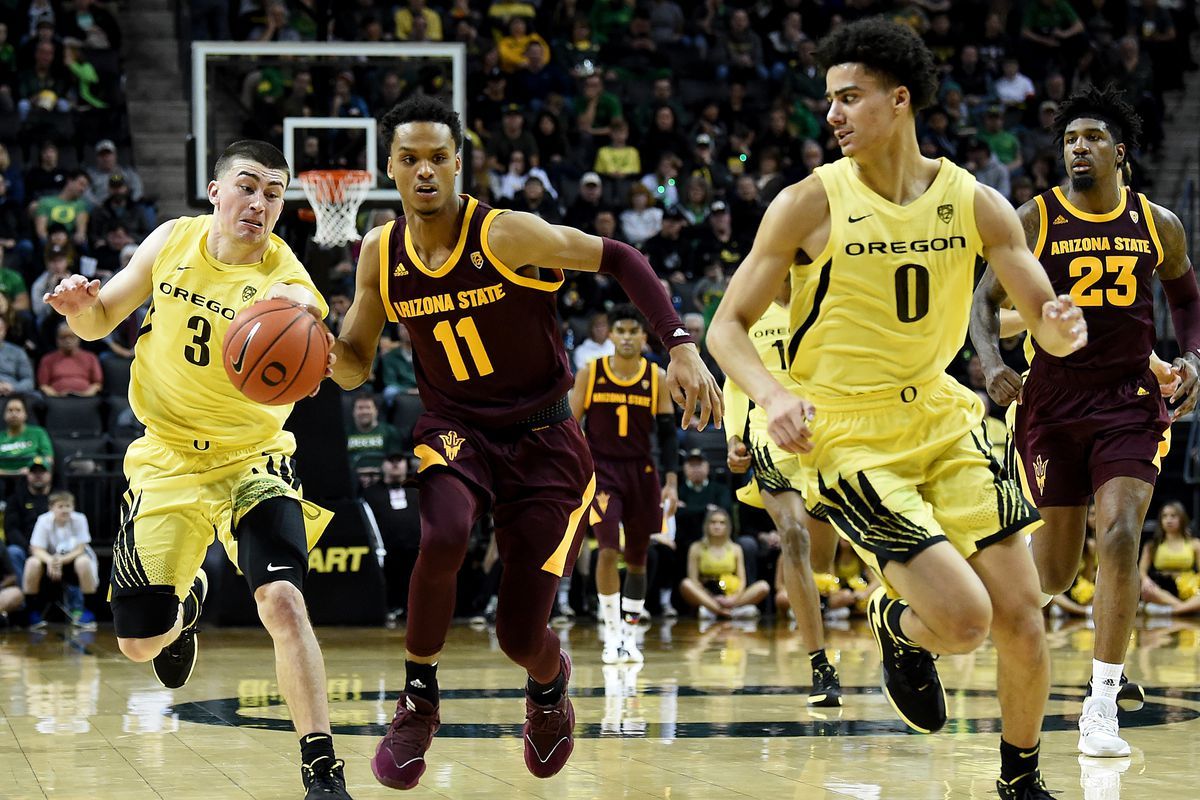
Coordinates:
335 195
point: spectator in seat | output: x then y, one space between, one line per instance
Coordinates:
44 86
108 248
982 163
396 368
277 26
94 25
740 50
406 14
16 371
368 439
106 167
11 596
69 371
514 47
60 553
642 219
716 573
534 199
394 506
29 500
118 209
1004 144
582 212
667 251
68 208
698 493
511 137
618 159
597 344
46 176
12 284
58 266
21 443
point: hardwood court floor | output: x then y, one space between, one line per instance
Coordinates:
718 714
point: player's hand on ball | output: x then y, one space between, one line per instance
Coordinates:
1066 319
1004 384
73 295
738 457
788 418
1187 368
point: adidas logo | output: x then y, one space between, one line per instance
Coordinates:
408 701
679 332
1060 220
1141 392
416 683
400 271
1109 682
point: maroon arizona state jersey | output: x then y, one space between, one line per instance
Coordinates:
485 338
620 413
1106 262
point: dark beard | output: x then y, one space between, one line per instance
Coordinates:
1081 183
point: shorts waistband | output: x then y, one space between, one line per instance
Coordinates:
865 401
1072 377
556 412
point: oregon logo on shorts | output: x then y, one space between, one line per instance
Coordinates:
451 442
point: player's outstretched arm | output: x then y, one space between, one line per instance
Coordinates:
1179 283
92 311
789 219
358 337
1056 323
519 240
1003 382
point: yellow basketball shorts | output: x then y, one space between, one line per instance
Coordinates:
178 500
775 469
899 471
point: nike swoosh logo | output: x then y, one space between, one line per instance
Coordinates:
273 568
181 269
857 219
237 362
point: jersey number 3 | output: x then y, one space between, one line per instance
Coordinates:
1089 270
466 330
197 352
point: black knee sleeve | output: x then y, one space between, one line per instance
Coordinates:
151 611
272 544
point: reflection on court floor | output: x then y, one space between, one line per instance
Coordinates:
718 711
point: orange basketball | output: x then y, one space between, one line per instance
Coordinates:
275 352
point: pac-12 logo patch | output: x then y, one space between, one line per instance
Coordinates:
247 293
477 259
946 212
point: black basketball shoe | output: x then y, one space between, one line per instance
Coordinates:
173 666
827 689
1026 787
324 779
910 679
1130 697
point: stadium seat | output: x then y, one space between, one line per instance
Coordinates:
74 415
116 376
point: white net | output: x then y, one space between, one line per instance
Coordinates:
335 195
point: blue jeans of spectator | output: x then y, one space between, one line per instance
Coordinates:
16 557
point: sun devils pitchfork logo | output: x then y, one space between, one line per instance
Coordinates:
1039 472
451 442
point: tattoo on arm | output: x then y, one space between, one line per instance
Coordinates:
1175 261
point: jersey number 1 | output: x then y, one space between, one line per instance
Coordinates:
465 328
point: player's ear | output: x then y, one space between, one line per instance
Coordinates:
212 192
389 168
458 163
901 98
1119 149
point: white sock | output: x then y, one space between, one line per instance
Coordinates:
632 608
1106 679
664 597
564 591
1047 599
610 610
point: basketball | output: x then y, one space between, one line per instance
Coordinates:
275 352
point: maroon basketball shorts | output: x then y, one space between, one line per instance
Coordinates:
539 482
1074 433
627 491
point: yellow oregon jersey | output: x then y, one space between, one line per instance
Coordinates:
770 338
178 387
886 304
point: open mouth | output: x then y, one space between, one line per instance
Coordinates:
426 190
251 223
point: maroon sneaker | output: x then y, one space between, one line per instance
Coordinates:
399 760
548 730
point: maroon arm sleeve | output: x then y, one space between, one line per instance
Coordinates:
631 269
1184 299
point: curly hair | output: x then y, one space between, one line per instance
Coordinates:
422 108
1107 104
627 311
887 49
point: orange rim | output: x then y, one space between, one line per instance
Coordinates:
329 185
